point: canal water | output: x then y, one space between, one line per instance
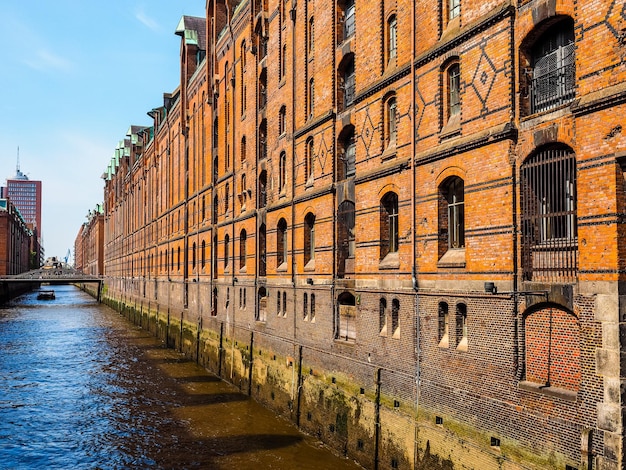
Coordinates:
82 388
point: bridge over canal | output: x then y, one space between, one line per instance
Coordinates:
52 276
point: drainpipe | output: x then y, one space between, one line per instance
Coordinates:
414 235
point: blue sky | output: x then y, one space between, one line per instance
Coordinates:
74 75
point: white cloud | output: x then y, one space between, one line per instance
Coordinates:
46 60
144 19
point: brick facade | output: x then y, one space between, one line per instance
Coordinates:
418 207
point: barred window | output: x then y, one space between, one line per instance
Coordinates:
553 68
549 217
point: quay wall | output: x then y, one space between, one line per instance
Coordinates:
362 411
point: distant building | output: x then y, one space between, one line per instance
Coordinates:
15 240
25 195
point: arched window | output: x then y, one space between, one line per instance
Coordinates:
243 237
347 83
452 214
461 327
395 318
391 118
214 256
309 238
345 319
311 39
444 325
262 250
305 307
382 317
203 254
263 189
388 224
347 154
550 67
392 39
452 98
282 120
261 314
193 256
311 98
308 161
549 215
242 150
281 242
226 250
282 171
226 198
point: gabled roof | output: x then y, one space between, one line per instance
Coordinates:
193 30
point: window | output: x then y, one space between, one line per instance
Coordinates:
443 325
388 224
346 239
263 189
309 238
278 306
226 250
391 117
395 318
311 35
243 237
549 215
311 101
263 140
262 250
452 222
261 314
282 171
193 256
305 307
243 55
392 39
214 257
242 153
453 95
461 327
346 154
552 82
203 254
226 198
308 161
284 303
263 89
312 308
382 317
283 61
454 9
349 19
281 243
348 81
346 317
282 120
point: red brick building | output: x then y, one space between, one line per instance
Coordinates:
398 223
15 240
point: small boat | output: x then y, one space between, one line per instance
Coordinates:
46 295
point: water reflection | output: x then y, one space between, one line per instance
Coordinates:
83 388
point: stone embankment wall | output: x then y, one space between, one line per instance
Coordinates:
366 413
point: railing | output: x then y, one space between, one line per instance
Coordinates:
553 82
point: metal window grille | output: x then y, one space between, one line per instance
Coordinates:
553 80
549 220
